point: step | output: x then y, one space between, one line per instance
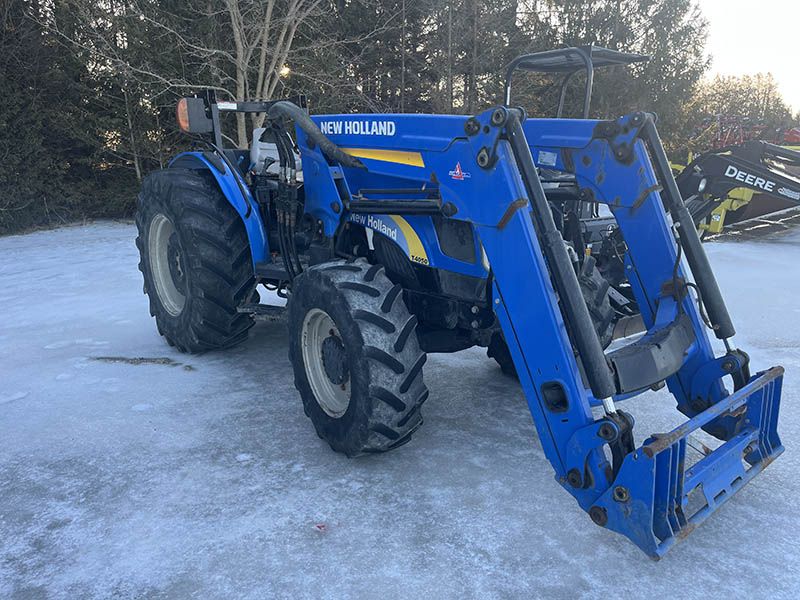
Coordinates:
264 312
271 271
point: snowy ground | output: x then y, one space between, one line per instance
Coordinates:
199 476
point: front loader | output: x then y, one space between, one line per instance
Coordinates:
720 182
394 235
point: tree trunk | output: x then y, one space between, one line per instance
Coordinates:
136 164
403 61
450 54
472 99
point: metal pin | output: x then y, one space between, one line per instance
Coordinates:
608 405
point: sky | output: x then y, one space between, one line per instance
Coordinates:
747 37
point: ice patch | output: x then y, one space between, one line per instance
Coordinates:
57 345
13 397
157 508
141 407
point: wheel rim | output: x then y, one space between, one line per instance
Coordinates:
325 363
166 264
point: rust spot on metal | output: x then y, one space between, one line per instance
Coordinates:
675 287
645 193
512 208
663 441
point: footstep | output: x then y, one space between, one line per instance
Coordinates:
243 457
141 407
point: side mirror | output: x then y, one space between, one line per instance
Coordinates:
192 117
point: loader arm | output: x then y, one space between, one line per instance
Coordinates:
611 164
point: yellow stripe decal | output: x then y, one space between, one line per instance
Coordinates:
416 250
396 156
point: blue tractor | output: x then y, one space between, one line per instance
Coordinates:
395 235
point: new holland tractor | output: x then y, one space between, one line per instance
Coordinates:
394 235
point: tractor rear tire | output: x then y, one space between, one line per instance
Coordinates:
356 358
595 293
195 259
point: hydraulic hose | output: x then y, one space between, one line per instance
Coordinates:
284 144
281 213
290 110
689 239
287 214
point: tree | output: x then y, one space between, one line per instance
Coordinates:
671 32
167 47
104 75
51 134
755 97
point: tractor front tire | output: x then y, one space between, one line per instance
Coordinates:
498 350
356 358
195 260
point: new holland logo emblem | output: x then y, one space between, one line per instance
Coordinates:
458 174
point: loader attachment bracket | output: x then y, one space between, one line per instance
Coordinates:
666 499
579 449
616 430
621 136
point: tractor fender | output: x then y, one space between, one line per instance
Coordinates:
244 205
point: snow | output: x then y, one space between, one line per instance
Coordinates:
200 476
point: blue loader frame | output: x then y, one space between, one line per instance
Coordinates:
483 171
